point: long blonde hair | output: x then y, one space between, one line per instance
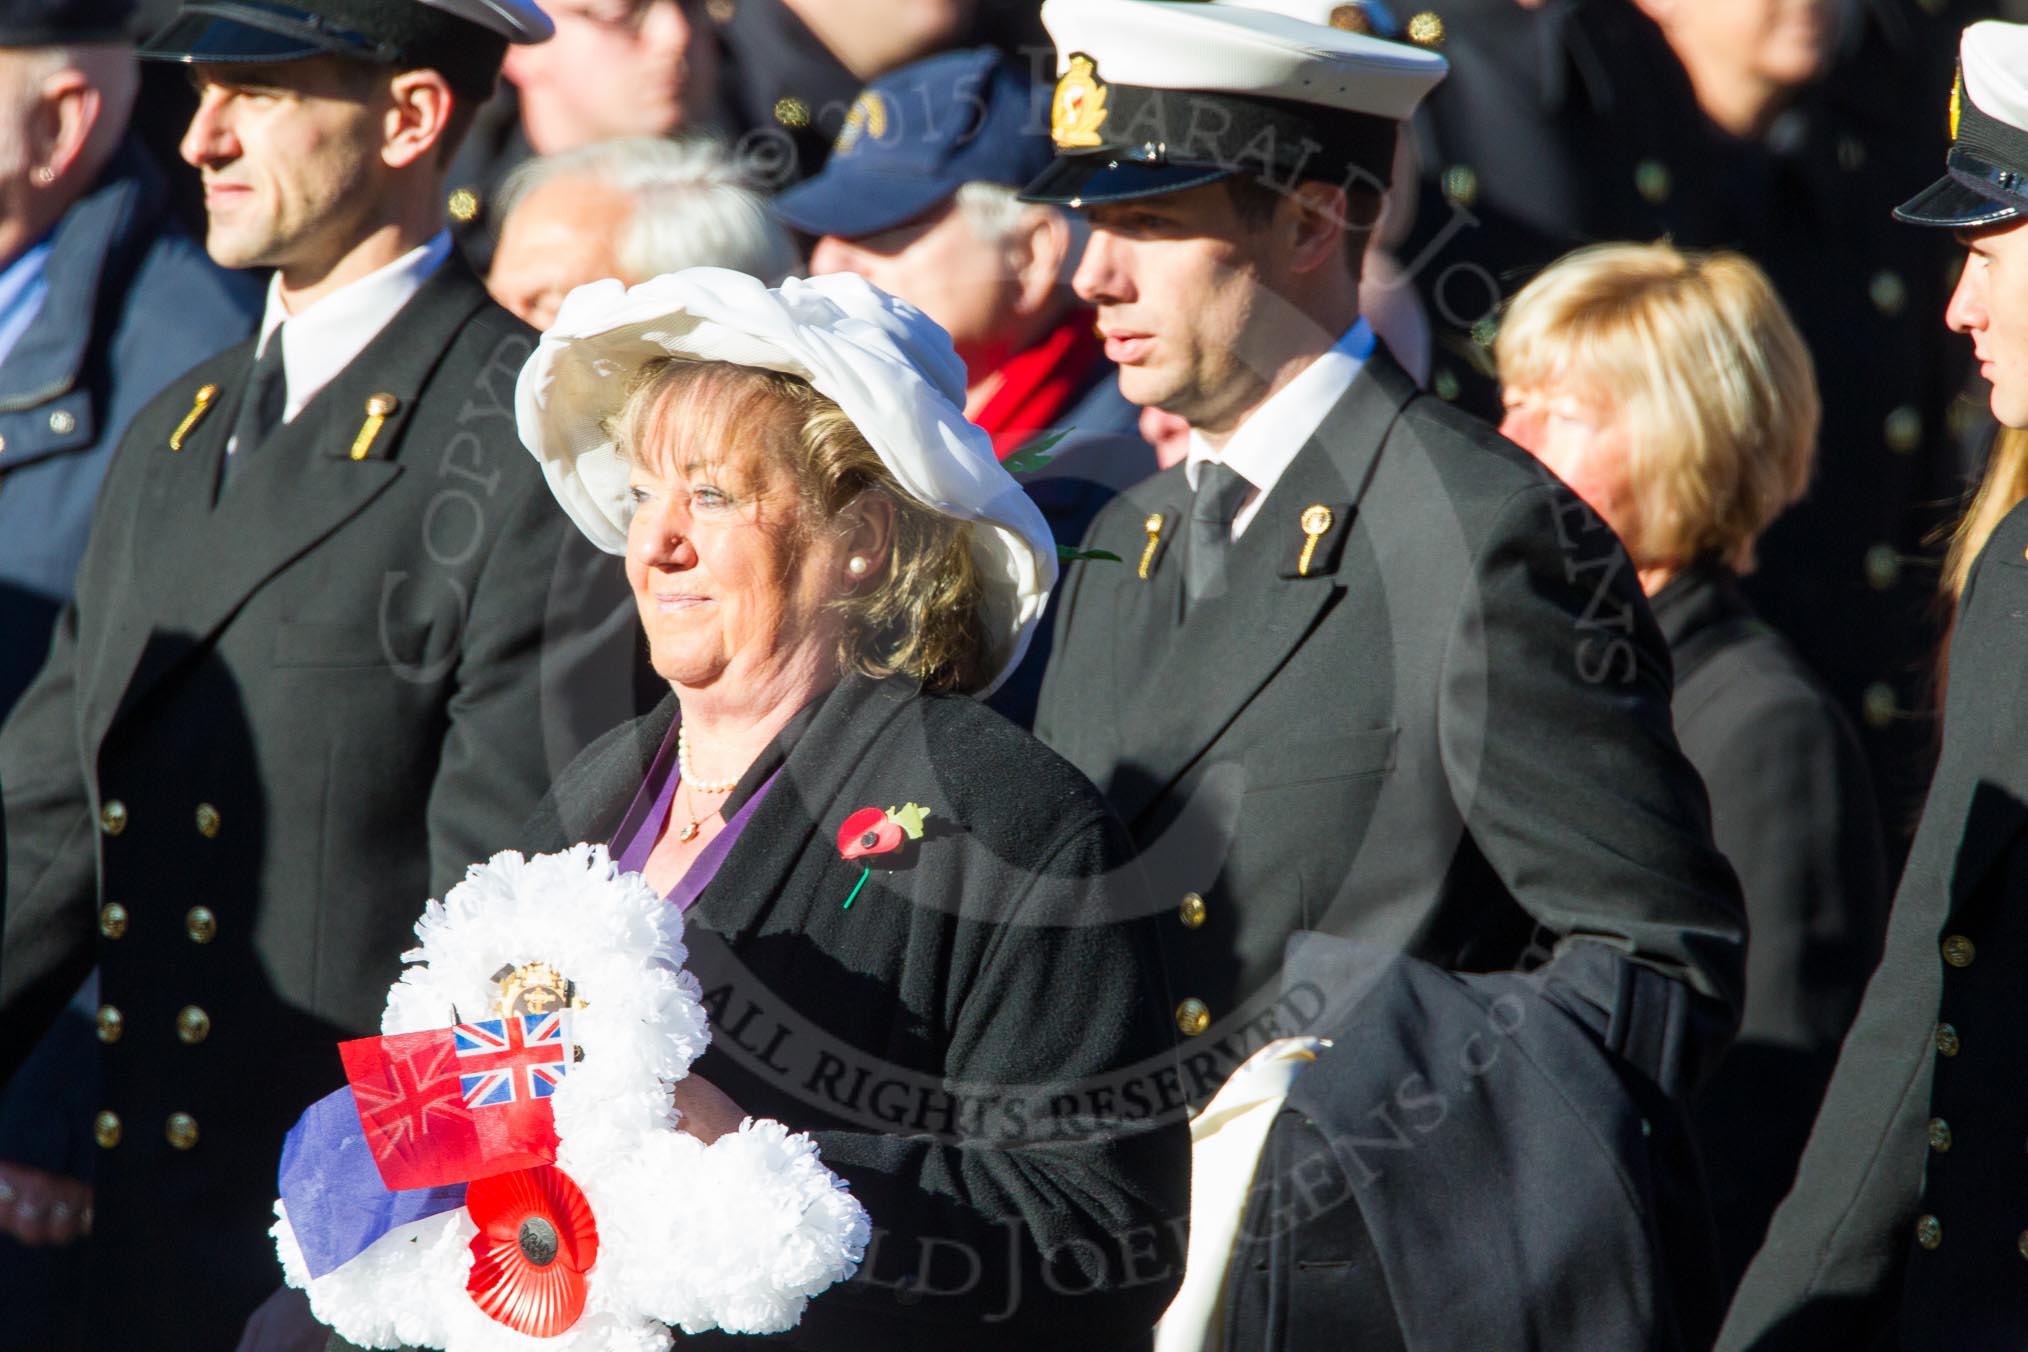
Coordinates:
2001 489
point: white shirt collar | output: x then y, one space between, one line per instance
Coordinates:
1273 433
323 340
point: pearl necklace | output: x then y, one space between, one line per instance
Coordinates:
696 785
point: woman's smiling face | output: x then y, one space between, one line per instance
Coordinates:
729 572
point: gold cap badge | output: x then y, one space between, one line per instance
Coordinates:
1079 108
867 118
1957 101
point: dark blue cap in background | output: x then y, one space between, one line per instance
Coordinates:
918 134
53 23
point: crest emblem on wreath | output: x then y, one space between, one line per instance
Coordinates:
1079 108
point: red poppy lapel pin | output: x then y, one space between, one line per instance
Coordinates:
869 832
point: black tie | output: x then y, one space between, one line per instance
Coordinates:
260 407
1220 491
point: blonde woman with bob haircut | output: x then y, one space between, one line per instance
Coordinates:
1672 392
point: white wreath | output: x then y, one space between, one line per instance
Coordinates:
737 1235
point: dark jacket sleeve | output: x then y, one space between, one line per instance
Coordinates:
1557 744
1793 809
1063 1203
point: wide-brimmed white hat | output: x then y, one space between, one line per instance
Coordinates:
887 365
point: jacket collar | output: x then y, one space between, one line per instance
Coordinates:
1192 680
122 211
591 801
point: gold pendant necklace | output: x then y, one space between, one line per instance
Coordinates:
689 833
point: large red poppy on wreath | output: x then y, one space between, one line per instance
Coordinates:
535 1243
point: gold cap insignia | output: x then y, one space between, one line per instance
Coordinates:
867 118
1957 101
535 988
1079 108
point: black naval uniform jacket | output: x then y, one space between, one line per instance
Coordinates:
1430 711
1907 1226
270 728
978 1043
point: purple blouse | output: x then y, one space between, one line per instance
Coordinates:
642 825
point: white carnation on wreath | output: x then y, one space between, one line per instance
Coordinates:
737 1235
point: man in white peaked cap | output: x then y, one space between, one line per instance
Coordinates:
1907 1226
1362 667
305 677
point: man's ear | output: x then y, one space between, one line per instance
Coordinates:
418 113
66 110
1040 257
1318 217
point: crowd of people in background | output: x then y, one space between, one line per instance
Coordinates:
1527 510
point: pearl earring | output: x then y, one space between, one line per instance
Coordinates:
856 566
45 175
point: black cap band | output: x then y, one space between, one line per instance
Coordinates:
398 33
1985 179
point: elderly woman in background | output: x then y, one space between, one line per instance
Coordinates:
631 208
916 928
1673 393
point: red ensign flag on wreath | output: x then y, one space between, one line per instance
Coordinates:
449 1105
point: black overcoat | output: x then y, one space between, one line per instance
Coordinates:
271 726
1430 711
1792 808
1907 1226
978 1042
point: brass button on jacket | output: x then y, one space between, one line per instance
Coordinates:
1947 1042
1928 1231
1959 951
113 817
2021 1244
110 1024
113 920
1939 1135
208 820
181 1130
106 1130
200 924
193 1025
1193 1016
1191 912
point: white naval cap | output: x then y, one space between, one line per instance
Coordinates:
1354 16
1985 178
1158 95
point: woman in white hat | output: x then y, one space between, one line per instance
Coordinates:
915 927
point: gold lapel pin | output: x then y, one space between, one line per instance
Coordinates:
1154 527
1316 520
205 394
378 409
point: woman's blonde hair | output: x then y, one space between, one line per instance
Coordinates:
1700 360
2001 489
922 615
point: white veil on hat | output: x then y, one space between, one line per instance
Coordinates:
882 361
